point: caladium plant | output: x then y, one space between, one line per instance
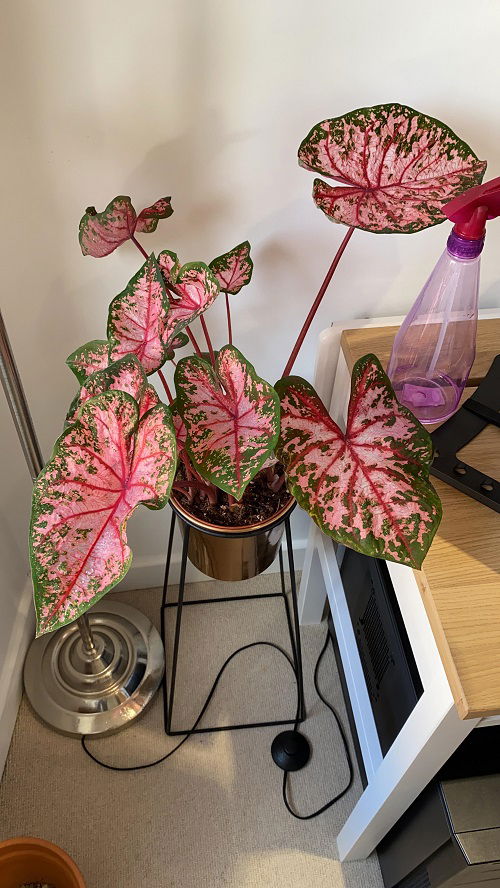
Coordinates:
225 427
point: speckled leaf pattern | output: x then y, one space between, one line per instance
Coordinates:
397 168
194 291
233 269
148 218
169 265
102 467
367 488
125 375
231 417
89 358
101 233
137 317
179 428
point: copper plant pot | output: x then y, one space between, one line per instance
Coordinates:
232 553
34 860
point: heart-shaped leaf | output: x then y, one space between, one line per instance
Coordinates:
101 233
102 467
125 375
137 317
88 358
398 168
367 488
194 290
233 269
148 218
231 417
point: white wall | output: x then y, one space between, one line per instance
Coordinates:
208 100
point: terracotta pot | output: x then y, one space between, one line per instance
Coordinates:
34 860
232 553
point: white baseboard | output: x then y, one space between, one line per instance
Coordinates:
11 668
146 573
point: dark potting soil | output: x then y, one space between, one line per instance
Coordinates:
257 504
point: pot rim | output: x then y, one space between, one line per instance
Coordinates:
22 841
241 530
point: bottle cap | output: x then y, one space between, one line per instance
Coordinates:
473 207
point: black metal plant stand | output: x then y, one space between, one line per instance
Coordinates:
169 682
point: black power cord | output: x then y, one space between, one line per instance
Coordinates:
205 707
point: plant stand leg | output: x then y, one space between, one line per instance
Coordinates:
292 618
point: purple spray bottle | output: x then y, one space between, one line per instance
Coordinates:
434 349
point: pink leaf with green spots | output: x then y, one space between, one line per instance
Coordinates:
101 233
125 375
137 318
397 168
194 290
233 269
148 218
89 358
231 417
102 467
368 488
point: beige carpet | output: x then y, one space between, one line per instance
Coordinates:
212 815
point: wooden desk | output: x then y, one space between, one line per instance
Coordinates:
451 609
460 577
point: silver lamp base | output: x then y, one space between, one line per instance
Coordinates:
99 684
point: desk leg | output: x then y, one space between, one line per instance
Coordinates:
430 735
312 592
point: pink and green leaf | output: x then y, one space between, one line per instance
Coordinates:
169 265
101 233
148 218
102 467
137 318
231 417
369 487
397 168
89 358
194 290
233 269
125 375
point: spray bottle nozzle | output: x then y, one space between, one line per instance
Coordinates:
473 207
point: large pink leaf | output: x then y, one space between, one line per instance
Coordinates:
137 317
102 467
101 233
194 290
398 168
231 417
125 375
233 269
89 358
148 218
368 487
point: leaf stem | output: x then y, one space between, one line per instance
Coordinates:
209 341
166 387
229 328
314 307
194 342
139 246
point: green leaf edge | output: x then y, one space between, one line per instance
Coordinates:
181 400
461 143
368 546
94 343
112 340
57 447
223 256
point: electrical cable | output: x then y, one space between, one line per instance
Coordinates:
205 706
